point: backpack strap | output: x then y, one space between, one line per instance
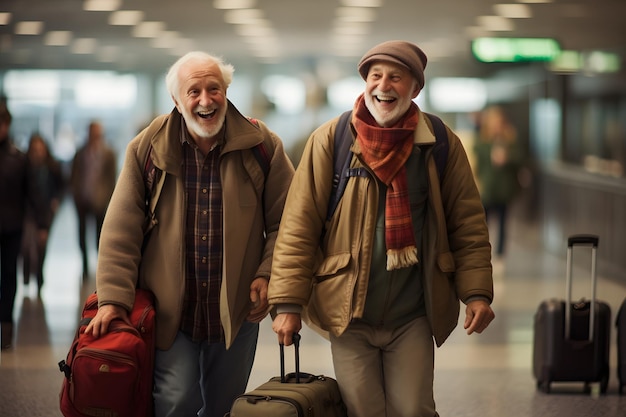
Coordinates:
342 156
153 180
262 157
440 150
260 151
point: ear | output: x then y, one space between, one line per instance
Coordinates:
176 104
416 90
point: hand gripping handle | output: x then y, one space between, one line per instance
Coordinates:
296 344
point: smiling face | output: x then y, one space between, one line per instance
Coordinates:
389 89
201 99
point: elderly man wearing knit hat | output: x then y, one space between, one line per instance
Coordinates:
382 277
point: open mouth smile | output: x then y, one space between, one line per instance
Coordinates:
206 114
385 99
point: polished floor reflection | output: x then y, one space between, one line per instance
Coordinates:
486 375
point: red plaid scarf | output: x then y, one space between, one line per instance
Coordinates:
385 150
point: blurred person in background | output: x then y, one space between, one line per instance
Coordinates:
92 180
14 201
207 260
46 187
498 159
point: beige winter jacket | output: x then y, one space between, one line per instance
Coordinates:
332 283
252 207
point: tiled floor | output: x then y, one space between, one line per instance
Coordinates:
486 375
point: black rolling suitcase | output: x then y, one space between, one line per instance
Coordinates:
295 395
570 344
620 323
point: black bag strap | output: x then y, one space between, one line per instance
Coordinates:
440 150
342 156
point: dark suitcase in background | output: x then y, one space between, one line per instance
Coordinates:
570 344
296 395
620 323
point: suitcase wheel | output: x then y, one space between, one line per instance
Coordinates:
604 384
544 386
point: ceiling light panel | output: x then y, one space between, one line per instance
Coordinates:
362 3
513 11
29 28
495 23
234 4
101 5
126 17
58 38
5 18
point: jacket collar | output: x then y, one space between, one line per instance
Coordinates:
423 133
164 135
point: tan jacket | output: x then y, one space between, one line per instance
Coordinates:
333 285
252 211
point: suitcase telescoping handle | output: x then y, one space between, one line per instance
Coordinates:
296 345
580 240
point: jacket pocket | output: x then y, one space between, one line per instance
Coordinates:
330 302
331 265
445 261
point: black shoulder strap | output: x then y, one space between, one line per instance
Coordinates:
262 157
260 151
440 151
149 173
341 161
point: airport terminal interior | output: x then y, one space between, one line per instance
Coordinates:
487 375
556 67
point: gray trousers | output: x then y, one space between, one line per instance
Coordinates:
386 373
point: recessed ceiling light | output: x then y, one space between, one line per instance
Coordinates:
28 28
125 17
58 38
234 4
495 23
513 11
101 5
5 18
362 3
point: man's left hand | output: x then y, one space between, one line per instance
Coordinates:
258 300
478 315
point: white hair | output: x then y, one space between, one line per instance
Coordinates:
171 79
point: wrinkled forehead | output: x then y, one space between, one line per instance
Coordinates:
195 71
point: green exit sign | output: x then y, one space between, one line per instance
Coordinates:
515 49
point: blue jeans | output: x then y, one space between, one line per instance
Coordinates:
201 379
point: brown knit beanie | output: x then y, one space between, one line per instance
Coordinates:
400 52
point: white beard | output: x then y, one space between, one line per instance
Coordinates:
198 129
386 118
